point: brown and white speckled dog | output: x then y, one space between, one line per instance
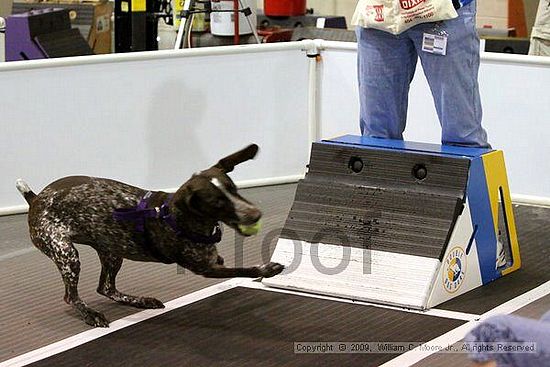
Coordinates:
183 229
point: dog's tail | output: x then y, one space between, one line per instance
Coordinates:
25 190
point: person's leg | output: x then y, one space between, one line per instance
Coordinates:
539 47
385 66
453 78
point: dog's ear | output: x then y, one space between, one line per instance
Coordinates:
186 198
228 163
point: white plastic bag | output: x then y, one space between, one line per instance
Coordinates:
396 16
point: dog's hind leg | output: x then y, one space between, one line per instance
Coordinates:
110 265
57 246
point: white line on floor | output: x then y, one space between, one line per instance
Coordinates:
432 312
520 301
16 253
95 333
455 335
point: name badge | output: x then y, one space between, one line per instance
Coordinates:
434 44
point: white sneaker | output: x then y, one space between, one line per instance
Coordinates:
501 255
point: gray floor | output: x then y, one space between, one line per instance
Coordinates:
14 236
33 313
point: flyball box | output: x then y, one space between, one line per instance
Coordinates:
398 223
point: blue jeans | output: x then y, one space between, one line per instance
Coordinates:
386 66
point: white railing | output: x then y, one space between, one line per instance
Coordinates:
153 118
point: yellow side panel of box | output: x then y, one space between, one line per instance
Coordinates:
497 180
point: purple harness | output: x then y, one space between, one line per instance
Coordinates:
141 212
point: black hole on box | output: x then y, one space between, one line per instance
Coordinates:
420 172
356 164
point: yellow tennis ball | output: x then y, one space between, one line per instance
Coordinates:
250 230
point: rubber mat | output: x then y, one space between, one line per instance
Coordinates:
534 241
248 327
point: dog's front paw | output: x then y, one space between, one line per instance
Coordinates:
270 269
